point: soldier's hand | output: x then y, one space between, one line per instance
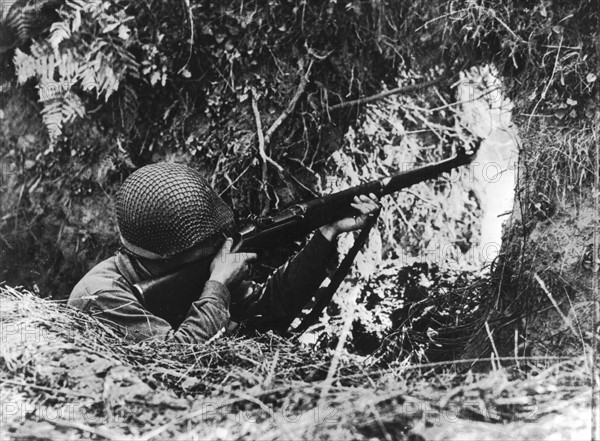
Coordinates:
366 206
230 268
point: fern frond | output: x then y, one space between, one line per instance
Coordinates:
87 77
108 82
22 18
130 65
25 66
53 119
101 64
72 108
57 112
59 32
78 5
69 66
11 17
128 105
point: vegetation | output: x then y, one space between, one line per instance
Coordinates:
278 101
85 383
140 82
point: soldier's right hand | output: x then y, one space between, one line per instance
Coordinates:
230 268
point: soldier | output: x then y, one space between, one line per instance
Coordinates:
169 216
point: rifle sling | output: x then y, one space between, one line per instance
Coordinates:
324 295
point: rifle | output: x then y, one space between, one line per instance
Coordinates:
300 219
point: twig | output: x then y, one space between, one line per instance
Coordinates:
505 26
379 96
545 91
478 97
292 105
261 137
267 381
188 7
449 105
261 149
103 433
421 198
173 423
566 319
264 138
489 333
379 422
326 385
440 17
517 349
47 389
232 183
595 374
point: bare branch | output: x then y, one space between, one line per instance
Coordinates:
261 147
261 137
291 106
387 93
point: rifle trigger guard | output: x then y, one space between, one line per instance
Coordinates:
298 209
264 221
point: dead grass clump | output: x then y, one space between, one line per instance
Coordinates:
547 267
66 375
422 313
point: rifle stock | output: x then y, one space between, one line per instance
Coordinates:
302 218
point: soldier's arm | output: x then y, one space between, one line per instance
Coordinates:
288 289
291 287
119 308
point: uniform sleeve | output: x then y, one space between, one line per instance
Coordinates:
121 309
288 289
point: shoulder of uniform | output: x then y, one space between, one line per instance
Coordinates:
103 277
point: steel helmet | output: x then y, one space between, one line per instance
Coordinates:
164 209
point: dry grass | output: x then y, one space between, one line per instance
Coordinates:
66 375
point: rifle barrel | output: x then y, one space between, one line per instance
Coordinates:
302 218
414 176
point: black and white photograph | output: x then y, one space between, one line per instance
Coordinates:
300 220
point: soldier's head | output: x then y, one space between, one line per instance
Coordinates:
169 212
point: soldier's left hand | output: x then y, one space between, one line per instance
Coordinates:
366 206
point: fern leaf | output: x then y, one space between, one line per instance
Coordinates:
69 66
131 67
11 18
59 32
72 107
53 119
49 91
87 78
45 64
56 112
25 66
76 24
128 106
78 5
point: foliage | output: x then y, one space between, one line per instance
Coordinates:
193 103
176 80
21 19
87 50
202 73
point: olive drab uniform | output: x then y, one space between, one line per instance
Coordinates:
162 211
